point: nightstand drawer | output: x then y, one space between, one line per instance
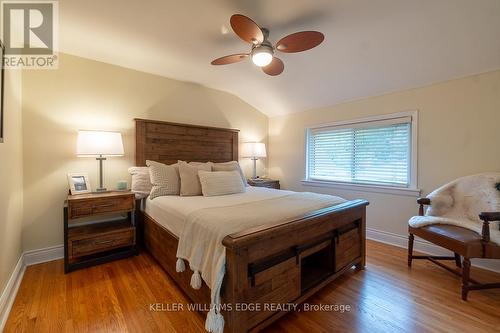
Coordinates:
101 243
82 208
264 182
275 185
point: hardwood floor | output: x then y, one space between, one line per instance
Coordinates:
386 297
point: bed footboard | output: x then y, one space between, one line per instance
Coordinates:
287 263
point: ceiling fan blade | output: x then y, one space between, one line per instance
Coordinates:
246 29
230 59
276 67
300 41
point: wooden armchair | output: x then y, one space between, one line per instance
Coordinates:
463 242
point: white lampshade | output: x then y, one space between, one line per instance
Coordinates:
92 143
253 150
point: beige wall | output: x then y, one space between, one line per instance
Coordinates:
11 178
85 94
458 134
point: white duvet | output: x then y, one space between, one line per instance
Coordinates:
200 241
172 211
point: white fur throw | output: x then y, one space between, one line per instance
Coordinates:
460 202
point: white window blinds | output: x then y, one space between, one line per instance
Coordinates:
373 152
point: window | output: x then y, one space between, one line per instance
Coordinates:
377 151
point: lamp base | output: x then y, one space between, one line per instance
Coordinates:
254 175
101 188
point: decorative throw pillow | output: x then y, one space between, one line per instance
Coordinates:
141 183
190 182
164 178
230 166
220 183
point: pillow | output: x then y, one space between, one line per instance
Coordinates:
220 183
230 166
141 184
200 163
190 182
164 178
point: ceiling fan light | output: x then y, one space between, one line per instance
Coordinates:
262 56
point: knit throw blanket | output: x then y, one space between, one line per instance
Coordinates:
200 242
460 202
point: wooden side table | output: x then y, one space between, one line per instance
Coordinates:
264 182
98 227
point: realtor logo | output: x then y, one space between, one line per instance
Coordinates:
29 33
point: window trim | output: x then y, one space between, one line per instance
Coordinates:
411 189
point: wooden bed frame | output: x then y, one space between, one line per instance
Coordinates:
283 263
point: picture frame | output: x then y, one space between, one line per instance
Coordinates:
79 183
2 75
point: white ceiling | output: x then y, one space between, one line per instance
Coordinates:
371 46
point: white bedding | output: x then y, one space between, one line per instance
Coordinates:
171 211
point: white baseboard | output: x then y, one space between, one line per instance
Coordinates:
424 246
10 291
28 258
402 241
39 256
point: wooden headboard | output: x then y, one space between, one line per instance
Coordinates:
167 143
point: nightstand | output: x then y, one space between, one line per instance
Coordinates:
264 182
98 227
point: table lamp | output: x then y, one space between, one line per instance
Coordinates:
254 150
99 144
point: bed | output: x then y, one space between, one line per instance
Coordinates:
280 263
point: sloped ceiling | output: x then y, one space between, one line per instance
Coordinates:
371 47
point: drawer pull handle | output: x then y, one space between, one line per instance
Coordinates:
103 206
111 241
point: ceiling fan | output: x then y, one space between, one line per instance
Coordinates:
262 53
